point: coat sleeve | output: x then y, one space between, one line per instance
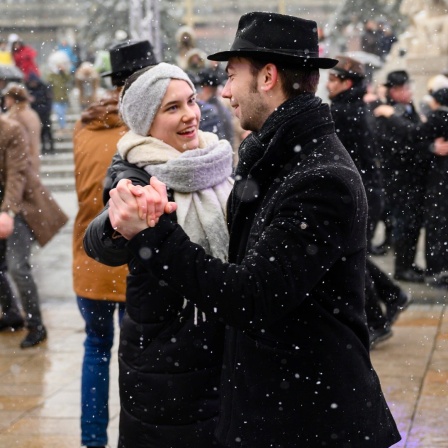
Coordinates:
425 132
102 243
16 165
309 230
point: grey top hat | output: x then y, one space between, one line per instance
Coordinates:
129 56
278 38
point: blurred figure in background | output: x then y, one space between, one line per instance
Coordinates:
60 81
346 89
13 164
24 56
207 84
87 81
17 104
405 168
33 216
41 96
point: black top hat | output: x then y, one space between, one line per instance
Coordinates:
211 77
130 56
278 38
397 78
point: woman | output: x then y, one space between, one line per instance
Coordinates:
170 355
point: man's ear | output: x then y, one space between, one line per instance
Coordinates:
348 83
268 77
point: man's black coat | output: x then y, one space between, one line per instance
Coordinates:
296 366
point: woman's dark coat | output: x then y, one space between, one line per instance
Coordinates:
297 371
169 367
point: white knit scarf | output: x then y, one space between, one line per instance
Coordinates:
200 179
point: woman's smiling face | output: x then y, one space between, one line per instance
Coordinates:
177 121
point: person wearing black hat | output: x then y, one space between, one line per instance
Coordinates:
100 289
346 88
436 194
405 167
296 370
207 82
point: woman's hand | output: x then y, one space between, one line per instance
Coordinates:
133 208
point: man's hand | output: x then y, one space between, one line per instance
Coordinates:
134 208
384 110
6 225
441 146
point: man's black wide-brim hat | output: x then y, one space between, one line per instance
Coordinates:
272 37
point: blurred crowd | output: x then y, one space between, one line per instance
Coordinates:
398 143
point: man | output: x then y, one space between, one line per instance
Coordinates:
296 364
405 167
207 85
100 290
346 88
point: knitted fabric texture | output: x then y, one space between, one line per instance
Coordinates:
141 101
200 179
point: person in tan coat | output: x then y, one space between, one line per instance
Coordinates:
30 214
17 102
100 289
87 81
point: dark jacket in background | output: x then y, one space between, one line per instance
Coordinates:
42 98
405 166
296 369
436 195
351 117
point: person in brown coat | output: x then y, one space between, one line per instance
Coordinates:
13 164
87 81
17 102
32 214
100 289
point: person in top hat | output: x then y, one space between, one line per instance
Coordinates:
346 88
435 210
397 78
207 83
405 166
100 290
296 369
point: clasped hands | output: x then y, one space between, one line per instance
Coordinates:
133 208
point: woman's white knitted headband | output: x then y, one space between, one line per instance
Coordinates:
141 101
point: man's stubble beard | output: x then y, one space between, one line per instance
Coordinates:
257 110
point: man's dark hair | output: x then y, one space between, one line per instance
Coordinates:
295 81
